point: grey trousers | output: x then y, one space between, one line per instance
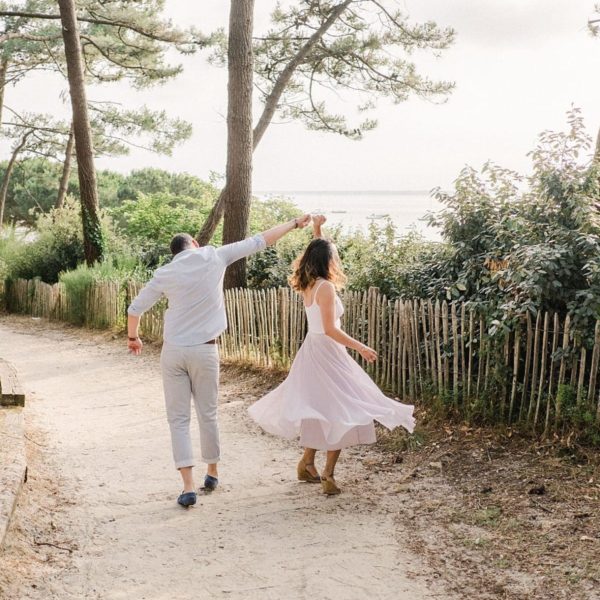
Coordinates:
191 372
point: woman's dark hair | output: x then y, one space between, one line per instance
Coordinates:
320 259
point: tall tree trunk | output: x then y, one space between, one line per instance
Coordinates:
238 178
3 69
92 232
597 150
66 172
7 174
216 213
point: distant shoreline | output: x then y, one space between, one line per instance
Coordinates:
343 192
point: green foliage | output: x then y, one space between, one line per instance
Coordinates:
120 40
33 187
117 268
150 221
271 268
380 258
267 213
516 245
76 283
10 244
383 259
110 184
157 181
57 245
115 129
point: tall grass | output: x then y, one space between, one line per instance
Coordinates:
77 283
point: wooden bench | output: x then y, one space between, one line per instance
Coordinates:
11 392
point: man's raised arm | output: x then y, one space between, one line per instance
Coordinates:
276 233
232 252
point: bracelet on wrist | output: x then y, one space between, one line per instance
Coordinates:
133 339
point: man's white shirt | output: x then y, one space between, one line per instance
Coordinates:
193 285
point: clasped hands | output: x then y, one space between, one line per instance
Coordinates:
304 220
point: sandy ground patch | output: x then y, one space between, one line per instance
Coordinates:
451 512
98 519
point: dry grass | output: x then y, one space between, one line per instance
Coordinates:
500 517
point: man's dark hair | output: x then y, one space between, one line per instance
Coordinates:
181 242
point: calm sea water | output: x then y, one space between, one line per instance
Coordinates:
358 209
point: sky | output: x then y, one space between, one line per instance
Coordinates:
518 65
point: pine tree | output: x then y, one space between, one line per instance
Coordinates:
358 48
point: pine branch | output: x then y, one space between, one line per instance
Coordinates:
285 76
103 21
15 35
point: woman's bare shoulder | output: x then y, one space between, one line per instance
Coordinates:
326 290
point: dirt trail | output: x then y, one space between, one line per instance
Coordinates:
102 485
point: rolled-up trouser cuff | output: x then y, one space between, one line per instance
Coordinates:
211 461
182 464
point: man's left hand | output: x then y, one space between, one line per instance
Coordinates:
135 346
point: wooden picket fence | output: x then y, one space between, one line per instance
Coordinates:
437 352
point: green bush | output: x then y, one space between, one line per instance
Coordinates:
271 268
515 245
10 246
150 221
379 258
56 245
151 181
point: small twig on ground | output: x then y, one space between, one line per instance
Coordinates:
66 549
34 442
540 506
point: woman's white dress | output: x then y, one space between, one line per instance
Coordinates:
328 399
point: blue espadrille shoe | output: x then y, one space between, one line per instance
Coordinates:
210 483
187 499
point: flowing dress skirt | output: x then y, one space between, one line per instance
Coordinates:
328 400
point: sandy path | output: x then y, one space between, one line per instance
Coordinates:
102 483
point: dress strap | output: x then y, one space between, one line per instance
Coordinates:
314 297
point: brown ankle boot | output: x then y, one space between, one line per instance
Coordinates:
329 486
304 474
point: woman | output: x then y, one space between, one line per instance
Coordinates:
327 398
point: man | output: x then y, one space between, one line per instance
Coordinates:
193 285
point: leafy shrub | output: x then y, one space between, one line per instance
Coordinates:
516 244
380 258
271 267
10 245
151 181
150 221
57 245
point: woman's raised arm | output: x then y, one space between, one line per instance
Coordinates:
317 222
